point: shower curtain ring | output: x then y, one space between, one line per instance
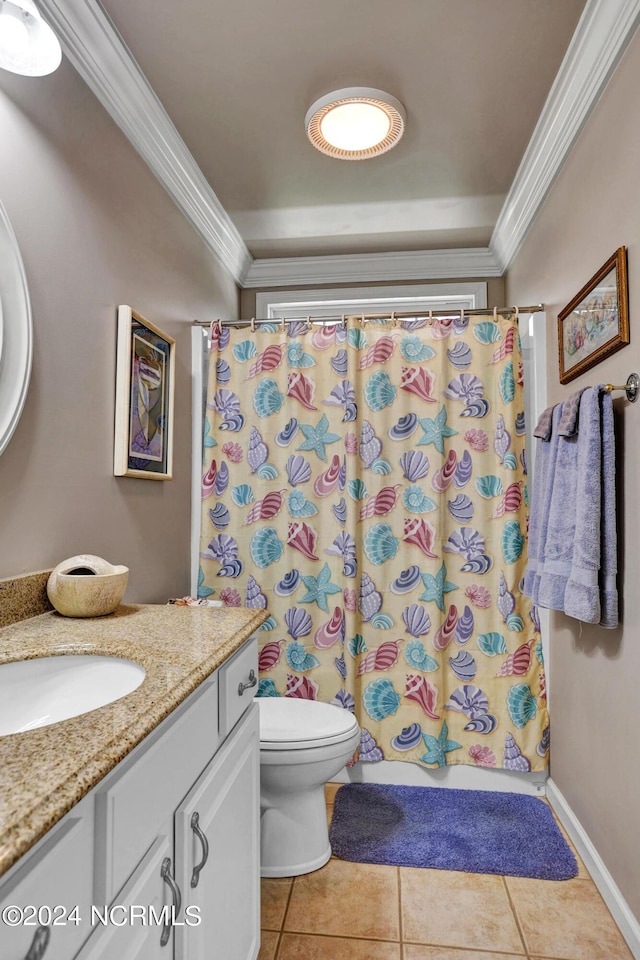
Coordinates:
308 323
362 321
393 319
495 314
430 318
516 310
282 324
344 321
253 324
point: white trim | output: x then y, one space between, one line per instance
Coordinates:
434 296
93 45
199 346
454 776
16 332
533 337
367 267
601 37
611 894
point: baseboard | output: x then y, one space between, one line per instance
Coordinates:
609 890
458 777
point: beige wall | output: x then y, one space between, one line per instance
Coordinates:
593 208
95 229
495 291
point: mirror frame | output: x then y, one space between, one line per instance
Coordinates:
16 332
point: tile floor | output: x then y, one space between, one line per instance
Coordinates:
357 911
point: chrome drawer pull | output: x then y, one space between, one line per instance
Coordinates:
39 943
251 682
165 873
195 826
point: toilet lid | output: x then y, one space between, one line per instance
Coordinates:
293 722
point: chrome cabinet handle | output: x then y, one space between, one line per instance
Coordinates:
165 873
195 826
39 943
251 682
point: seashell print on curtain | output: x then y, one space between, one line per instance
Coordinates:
367 486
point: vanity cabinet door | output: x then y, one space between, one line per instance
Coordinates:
45 887
218 851
141 794
135 922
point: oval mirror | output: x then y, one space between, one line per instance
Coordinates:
16 342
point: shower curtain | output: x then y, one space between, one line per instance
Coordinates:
366 484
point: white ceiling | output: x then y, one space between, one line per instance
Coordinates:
236 79
213 96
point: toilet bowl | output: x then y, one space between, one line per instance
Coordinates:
303 744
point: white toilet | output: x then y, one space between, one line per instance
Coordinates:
303 744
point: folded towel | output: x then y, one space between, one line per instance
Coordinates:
546 453
609 550
572 531
557 547
543 427
568 425
581 592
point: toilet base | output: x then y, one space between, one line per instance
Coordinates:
294 837
296 869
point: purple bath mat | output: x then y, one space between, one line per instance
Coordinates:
477 831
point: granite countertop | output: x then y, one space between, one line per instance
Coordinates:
44 772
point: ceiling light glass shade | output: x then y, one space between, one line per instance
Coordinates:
355 123
28 45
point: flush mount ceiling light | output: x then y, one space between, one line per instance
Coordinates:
27 44
355 123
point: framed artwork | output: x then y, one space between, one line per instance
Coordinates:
145 376
596 322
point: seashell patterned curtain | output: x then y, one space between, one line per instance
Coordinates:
366 484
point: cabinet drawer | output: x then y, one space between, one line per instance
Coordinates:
138 797
235 672
58 873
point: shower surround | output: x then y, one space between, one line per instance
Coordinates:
366 483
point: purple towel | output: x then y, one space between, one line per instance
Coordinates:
557 548
591 593
572 532
543 427
546 453
581 593
609 553
568 425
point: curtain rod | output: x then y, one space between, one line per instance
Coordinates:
388 315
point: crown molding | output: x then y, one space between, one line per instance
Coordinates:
601 37
367 267
94 47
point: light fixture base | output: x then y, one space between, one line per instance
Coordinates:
392 120
28 45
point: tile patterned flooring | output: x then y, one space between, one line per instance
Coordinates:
358 911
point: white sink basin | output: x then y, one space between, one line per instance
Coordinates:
35 693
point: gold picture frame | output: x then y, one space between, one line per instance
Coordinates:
595 323
145 386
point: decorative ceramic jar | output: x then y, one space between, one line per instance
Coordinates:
86 586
